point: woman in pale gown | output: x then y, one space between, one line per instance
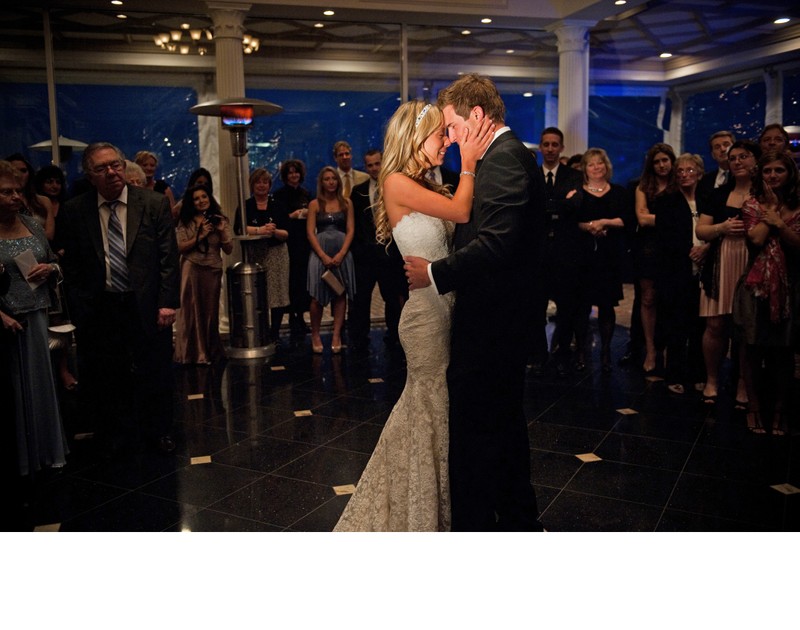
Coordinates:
405 484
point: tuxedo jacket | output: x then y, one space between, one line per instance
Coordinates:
365 247
152 255
497 253
706 183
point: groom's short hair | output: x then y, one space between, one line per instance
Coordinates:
470 90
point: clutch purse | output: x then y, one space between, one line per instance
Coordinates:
333 282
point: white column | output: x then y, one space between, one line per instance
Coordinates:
674 137
573 83
550 109
773 112
228 20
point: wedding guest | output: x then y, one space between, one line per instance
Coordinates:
40 435
294 198
375 263
719 143
198 177
678 257
267 218
774 138
725 263
203 233
149 162
134 175
330 230
767 301
343 154
657 178
601 217
35 205
50 182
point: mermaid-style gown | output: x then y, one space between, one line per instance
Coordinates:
405 484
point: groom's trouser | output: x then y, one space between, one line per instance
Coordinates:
489 448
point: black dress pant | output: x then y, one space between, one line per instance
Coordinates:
126 375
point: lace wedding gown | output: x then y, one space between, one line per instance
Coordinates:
405 484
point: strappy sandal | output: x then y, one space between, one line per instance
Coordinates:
754 425
779 423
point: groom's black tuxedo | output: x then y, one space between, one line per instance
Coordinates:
493 273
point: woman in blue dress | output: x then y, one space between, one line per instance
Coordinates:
330 231
26 257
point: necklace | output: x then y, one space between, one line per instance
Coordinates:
595 190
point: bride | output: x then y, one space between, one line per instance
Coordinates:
405 484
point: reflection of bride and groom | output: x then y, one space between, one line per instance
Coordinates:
454 453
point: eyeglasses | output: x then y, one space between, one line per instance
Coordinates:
101 169
685 171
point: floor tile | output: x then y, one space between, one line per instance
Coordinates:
572 511
202 484
639 484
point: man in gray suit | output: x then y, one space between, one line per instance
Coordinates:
122 279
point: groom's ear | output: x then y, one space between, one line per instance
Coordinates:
477 113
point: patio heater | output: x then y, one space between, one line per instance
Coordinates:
247 291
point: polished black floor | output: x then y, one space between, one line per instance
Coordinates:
264 447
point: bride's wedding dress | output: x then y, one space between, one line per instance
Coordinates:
405 484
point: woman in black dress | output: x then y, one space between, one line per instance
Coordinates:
294 198
679 254
601 217
657 178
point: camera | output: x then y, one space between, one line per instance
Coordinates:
213 218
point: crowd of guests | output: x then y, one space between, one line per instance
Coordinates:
715 255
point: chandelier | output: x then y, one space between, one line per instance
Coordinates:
186 39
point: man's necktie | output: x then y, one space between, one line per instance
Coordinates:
549 182
116 250
346 190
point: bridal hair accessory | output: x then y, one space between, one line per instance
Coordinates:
422 115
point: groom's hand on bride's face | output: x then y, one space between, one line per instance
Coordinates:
416 272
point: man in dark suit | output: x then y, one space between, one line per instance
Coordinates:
373 263
561 256
719 142
122 278
493 273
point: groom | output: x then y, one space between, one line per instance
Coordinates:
493 272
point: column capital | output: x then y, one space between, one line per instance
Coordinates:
573 35
228 18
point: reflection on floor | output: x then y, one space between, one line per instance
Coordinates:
273 441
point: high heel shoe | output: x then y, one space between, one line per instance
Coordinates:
754 422
779 423
316 346
336 348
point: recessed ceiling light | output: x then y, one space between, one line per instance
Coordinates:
781 21
319 25
328 12
185 26
122 16
116 2
665 55
342 104
486 21
527 94
620 2
466 32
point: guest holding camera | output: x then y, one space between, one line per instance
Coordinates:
203 232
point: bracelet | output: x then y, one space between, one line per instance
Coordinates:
467 173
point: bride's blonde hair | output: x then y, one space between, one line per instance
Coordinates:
406 132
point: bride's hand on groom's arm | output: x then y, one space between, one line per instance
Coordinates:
417 272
